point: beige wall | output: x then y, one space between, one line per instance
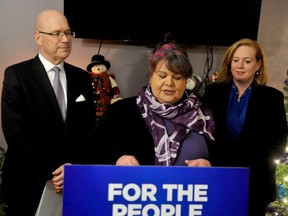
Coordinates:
273 36
128 62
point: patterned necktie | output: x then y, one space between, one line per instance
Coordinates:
59 92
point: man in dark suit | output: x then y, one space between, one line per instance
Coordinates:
39 138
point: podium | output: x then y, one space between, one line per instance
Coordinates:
155 190
50 203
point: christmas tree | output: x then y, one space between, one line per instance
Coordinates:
280 206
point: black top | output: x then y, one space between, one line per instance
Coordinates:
261 141
121 130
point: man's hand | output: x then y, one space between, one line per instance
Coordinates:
58 179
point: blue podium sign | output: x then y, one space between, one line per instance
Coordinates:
92 190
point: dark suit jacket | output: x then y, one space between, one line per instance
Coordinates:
262 139
38 139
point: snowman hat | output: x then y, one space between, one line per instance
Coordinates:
98 60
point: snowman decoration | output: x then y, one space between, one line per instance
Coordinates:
105 88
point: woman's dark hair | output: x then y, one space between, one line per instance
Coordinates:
172 54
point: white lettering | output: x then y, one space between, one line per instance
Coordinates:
169 188
119 210
113 190
150 209
200 193
197 193
132 192
193 210
134 195
181 192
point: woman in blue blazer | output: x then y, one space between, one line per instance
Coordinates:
250 121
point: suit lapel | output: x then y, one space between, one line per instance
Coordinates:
42 78
72 84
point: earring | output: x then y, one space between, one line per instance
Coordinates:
257 73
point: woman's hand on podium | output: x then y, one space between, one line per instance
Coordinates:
198 163
127 160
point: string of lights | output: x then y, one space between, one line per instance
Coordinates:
280 206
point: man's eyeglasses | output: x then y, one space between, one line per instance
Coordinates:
59 34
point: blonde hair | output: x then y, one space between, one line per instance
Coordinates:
261 77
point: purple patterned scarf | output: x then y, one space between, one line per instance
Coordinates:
184 116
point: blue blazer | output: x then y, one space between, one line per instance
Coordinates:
261 142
